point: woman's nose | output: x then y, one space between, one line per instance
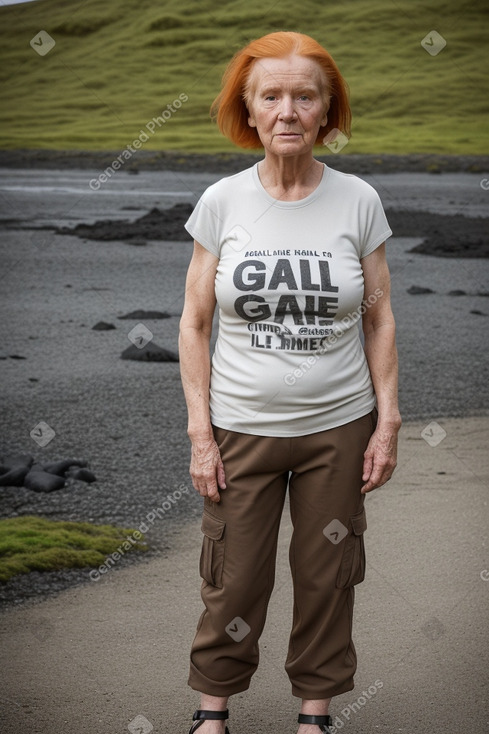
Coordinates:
287 109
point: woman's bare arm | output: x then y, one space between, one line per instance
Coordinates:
381 352
206 467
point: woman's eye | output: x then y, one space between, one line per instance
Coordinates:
270 98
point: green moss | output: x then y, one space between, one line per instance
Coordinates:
31 543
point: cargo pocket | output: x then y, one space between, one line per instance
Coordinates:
212 555
352 568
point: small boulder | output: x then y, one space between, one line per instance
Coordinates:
40 481
13 469
103 326
81 473
151 352
418 290
60 468
21 471
141 314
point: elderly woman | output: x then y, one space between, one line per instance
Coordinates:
293 253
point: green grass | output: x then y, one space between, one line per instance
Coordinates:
118 63
32 543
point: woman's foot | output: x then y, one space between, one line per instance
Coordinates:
213 727
308 729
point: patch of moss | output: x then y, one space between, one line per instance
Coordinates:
31 543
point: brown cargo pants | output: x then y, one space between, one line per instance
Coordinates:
323 472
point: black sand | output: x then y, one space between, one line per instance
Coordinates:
128 419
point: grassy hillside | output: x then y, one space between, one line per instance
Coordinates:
116 64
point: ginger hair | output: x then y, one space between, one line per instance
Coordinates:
230 110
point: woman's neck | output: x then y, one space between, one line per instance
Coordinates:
290 179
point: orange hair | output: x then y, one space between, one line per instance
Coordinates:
229 108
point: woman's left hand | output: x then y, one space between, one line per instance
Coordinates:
380 457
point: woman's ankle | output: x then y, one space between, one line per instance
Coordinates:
213 703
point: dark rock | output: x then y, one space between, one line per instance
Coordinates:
151 352
166 224
140 314
444 235
21 471
13 469
84 475
61 467
103 326
417 290
477 312
17 460
457 293
41 481
14 477
16 356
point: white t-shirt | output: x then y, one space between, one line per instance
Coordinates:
289 359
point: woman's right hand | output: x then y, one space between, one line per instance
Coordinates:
206 469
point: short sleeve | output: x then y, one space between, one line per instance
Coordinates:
374 226
203 223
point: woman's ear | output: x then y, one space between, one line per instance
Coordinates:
324 118
251 117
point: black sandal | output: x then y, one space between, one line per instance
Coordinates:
324 722
201 715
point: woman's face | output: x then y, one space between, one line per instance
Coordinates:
288 101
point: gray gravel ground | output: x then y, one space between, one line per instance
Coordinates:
128 418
